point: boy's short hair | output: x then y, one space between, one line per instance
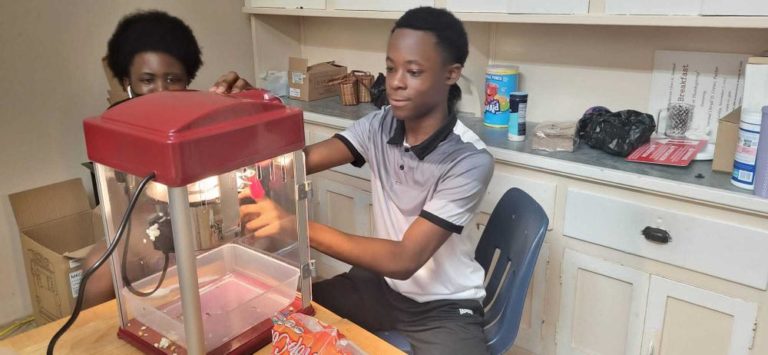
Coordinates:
152 31
449 30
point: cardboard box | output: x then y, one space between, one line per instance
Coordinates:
57 228
726 140
310 82
734 7
287 4
652 7
389 5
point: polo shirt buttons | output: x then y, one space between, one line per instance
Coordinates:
407 150
402 167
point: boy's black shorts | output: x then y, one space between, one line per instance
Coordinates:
435 327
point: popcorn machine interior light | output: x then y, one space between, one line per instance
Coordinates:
188 278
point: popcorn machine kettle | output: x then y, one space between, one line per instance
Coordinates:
188 279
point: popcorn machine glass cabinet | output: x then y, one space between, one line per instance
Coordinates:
243 280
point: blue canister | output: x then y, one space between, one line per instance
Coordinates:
500 82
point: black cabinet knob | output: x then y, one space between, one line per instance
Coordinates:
656 235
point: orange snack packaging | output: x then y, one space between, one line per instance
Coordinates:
300 334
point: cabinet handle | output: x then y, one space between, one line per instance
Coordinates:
656 235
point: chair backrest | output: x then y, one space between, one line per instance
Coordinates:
515 232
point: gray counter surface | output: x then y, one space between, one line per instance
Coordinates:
698 173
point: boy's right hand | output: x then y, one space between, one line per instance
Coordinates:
265 218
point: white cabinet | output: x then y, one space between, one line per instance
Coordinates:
716 247
682 320
602 307
343 206
389 5
653 7
344 203
608 308
287 4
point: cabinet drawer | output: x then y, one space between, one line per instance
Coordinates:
711 246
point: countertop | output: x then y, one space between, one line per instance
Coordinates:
695 182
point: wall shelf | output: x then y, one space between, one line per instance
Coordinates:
588 19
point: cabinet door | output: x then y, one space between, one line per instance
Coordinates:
343 207
602 307
685 320
337 202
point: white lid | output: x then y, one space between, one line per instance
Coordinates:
751 117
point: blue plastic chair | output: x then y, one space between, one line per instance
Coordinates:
515 231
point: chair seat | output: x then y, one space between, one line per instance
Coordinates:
396 339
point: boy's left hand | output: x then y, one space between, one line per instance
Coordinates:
230 83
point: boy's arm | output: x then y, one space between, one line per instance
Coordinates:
326 154
397 260
393 259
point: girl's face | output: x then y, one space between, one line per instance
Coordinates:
418 78
154 72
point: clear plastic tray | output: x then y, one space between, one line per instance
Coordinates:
239 288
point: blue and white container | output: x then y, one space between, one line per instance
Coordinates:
500 82
746 151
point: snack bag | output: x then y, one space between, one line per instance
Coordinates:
300 334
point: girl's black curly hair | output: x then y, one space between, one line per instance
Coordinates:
152 31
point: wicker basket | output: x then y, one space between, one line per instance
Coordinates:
347 88
364 82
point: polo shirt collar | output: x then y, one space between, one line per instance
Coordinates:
429 145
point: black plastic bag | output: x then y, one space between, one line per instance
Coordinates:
618 133
379 91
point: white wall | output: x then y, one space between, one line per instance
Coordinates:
52 78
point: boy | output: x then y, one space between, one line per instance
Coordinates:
429 172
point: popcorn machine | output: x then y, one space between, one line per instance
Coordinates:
187 277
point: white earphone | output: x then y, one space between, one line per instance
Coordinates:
130 92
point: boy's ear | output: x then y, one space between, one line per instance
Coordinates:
454 73
126 82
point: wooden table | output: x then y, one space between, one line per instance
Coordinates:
95 332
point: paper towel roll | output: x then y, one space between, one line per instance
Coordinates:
761 164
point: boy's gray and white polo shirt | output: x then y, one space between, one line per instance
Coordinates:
442 180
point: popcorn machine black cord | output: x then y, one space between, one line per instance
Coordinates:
87 274
124 270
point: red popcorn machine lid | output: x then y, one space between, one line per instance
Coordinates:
184 136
